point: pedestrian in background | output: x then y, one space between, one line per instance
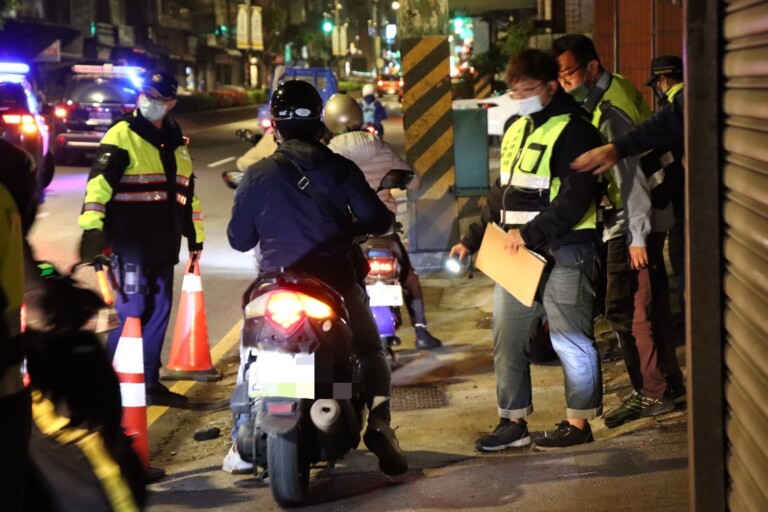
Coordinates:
544 206
664 132
636 216
373 111
139 201
344 118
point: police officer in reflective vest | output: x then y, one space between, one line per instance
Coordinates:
637 215
546 207
140 199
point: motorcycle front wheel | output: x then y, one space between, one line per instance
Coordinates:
288 469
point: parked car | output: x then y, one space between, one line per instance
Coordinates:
322 78
390 84
21 121
94 98
500 109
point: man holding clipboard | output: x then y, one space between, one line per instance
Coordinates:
544 206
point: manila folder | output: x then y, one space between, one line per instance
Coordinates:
518 273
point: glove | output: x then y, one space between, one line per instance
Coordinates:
92 245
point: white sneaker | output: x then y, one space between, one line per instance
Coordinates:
234 464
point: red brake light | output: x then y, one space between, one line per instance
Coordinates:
27 122
266 123
401 82
285 309
380 83
61 112
381 266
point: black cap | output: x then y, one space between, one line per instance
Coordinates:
162 83
666 65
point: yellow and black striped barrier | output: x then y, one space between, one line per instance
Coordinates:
483 86
429 144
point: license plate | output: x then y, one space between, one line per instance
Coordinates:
100 116
282 374
385 294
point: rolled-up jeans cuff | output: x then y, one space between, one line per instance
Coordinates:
515 414
584 414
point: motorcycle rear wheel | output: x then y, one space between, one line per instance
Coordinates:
288 469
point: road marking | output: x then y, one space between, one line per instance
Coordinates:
221 162
182 387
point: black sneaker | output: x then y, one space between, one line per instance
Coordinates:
380 439
678 395
507 434
158 394
563 436
635 407
425 340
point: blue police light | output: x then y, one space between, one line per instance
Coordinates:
16 68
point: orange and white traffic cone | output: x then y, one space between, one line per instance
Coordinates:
190 357
129 366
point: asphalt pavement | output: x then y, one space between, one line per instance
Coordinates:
442 401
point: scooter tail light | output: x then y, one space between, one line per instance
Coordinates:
381 267
285 309
315 308
266 123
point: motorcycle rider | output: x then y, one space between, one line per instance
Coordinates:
303 238
344 118
373 111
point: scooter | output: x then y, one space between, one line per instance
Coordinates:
383 287
382 283
301 391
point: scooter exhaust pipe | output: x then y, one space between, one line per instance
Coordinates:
324 413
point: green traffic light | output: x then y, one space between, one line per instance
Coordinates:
327 27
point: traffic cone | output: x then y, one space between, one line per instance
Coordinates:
190 357
129 366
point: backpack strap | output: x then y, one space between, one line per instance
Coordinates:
295 175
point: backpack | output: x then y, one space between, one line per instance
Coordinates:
369 112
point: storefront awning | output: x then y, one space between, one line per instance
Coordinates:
24 38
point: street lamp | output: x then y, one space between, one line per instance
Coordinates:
395 5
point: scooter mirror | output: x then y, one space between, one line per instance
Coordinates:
396 178
232 178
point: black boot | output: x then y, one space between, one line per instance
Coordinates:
425 340
380 439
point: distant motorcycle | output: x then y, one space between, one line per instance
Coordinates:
301 389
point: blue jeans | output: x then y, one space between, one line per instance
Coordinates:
566 298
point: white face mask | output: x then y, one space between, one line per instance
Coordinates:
151 110
529 106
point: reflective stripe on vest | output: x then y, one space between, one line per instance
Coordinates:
517 217
528 159
674 90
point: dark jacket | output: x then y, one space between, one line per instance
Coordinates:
666 127
290 226
552 227
142 230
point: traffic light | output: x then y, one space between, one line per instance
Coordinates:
327 26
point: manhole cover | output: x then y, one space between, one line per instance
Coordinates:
424 396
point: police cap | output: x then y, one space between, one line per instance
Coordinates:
666 65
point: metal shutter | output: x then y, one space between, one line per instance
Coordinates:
745 218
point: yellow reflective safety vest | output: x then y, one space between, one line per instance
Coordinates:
623 95
525 159
674 91
11 287
141 192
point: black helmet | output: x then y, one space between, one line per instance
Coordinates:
296 99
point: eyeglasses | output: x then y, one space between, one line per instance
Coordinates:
568 73
524 91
